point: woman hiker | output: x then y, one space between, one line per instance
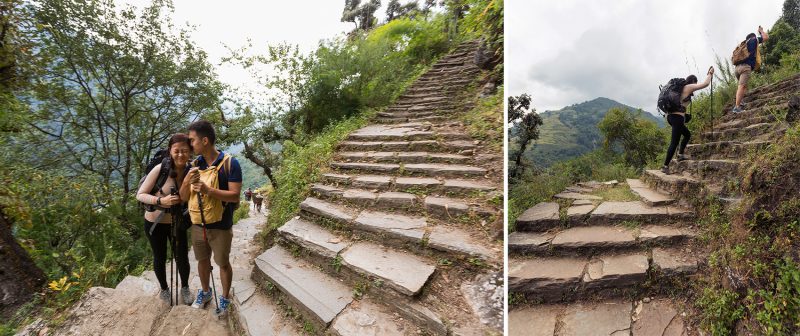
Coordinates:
677 119
159 234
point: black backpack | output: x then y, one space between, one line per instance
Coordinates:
160 157
669 98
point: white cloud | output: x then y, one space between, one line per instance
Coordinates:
569 51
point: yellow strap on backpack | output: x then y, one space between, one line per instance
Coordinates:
758 57
212 208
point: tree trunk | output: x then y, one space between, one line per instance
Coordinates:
251 155
19 275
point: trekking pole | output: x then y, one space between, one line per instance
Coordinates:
713 135
203 221
175 210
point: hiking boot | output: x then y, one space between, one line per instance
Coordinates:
737 109
186 295
202 299
665 170
223 306
165 295
682 157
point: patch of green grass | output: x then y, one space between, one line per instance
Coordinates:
242 212
485 121
337 263
360 289
720 310
620 193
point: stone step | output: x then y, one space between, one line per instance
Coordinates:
713 171
399 230
647 195
541 217
438 207
749 113
257 314
658 316
408 146
764 131
589 240
404 120
725 149
421 169
434 107
565 279
385 133
407 115
319 297
744 122
679 186
403 157
638 212
426 185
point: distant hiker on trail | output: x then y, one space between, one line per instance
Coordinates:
747 59
248 194
257 201
155 191
215 191
674 105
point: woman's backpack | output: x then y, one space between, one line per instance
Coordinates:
669 97
160 157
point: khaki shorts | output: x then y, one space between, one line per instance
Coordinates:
743 73
219 243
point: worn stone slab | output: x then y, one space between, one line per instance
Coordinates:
324 209
360 196
607 212
613 319
443 169
397 199
390 132
611 183
135 284
337 178
312 237
404 272
396 145
534 321
372 181
368 319
259 316
579 189
319 295
547 277
446 206
485 295
578 213
593 237
649 196
529 242
540 217
664 234
416 182
403 227
326 190
466 185
657 317
185 320
377 167
674 263
577 196
361 145
582 202
454 240
444 157
616 271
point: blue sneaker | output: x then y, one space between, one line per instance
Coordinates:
202 299
223 306
737 109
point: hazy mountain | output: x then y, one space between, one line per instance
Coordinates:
572 131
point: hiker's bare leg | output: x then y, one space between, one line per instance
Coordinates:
226 275
204 271
740 94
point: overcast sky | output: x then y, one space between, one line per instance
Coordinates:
570 51
232 22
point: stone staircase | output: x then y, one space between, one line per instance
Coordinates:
590 266
133 306
393 239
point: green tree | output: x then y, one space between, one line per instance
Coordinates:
526 121
783 40
638 139
791 13
362 15
395 10
113 86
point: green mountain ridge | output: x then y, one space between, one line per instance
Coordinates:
572 131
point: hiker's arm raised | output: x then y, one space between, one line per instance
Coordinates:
689 88
764 35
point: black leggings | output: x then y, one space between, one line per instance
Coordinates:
678 129
158 242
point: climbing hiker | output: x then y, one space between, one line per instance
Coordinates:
746 59
674 98
155 192
214 196
247 194
257 201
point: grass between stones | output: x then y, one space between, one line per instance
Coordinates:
620 193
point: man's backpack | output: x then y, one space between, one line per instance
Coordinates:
740 54
669 99
213 208
160 157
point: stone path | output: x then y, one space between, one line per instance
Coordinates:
579 264
395 237
133 307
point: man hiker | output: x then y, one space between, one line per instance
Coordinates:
215 182
677 117
257 201
247 194
746 59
